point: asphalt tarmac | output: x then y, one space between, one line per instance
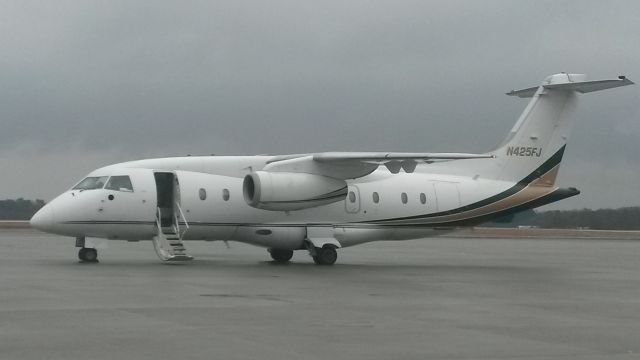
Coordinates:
444 298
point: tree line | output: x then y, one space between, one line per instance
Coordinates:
625 218
19 209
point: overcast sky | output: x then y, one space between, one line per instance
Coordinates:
84 84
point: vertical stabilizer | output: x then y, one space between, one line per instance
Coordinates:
534 147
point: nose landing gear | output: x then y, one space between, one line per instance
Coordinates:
86 255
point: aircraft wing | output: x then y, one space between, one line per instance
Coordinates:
350 165
382 158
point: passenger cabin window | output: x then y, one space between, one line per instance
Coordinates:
404 198
91 183
352 196
423 198
119 183
225 194
376 197
202 193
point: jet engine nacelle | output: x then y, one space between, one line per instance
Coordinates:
283 191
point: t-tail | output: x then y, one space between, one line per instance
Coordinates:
533 149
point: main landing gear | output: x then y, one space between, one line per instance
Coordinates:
281 255
85 254
326 255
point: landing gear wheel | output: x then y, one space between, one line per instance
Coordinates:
281 255
325 256
88 255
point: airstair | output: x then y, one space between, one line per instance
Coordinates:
168 243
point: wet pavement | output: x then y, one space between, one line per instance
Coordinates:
444 298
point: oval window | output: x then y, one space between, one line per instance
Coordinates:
423 198
376 197
225 194
352 196
202 193
404 198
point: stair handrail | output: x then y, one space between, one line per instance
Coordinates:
176 224
159 217
159 238
186 223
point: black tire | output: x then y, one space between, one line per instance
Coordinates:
281 255
88 255
326 256
91 255
81 254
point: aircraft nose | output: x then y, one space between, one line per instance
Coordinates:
43 219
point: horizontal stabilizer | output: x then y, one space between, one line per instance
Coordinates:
523 93
563 82
590 86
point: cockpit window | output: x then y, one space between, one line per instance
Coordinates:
91 183
119 183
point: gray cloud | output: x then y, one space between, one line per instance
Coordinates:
88 83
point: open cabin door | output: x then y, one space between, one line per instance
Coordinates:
169 219
166 197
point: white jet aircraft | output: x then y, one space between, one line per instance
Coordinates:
321 202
